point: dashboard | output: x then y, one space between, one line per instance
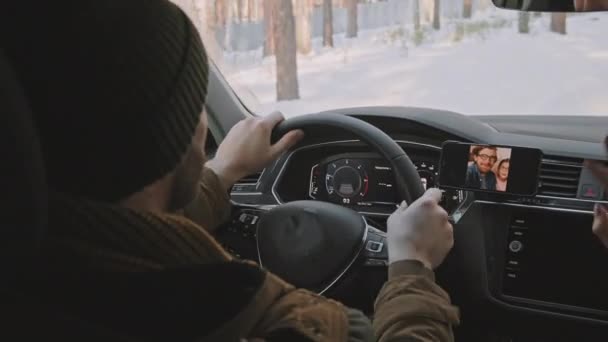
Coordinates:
519 266
350 174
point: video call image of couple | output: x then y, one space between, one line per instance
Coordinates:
488 168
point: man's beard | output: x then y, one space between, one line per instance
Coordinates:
187 178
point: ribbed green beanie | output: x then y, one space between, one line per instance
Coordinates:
116 88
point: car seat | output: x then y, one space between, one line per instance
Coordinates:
23 218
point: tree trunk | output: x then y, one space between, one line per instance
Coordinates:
210 16
269 17
437 15
351 23
328 24
286 58
220 12
304 26
467 9
558 22
240 10
228 32
524 21
417 15
250 9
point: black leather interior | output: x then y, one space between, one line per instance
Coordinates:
22 182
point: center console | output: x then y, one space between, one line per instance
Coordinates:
553 261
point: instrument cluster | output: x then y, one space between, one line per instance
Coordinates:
366 182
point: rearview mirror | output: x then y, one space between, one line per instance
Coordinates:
553 5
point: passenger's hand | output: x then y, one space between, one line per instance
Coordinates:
600 223
600 217
247 148
420 232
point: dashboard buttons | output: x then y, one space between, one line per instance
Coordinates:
516 246
590 191
518 233
374 246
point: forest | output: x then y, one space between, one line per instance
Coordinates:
304 56
288 26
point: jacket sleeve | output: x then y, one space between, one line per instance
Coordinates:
212 205
412 307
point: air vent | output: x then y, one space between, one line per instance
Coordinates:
559 176
247 184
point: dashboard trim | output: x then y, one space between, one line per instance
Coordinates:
569 199
528 206
557 306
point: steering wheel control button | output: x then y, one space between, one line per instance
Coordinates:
516 246
374 246
376 262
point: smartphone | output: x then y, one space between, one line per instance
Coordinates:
496 169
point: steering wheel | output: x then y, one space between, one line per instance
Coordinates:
312 244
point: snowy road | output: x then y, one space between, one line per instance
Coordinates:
503 73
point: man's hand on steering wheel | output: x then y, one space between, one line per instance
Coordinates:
420 231
247 148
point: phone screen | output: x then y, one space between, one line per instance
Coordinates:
490 168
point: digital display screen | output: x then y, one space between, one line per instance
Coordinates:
490 168
352 181
561 261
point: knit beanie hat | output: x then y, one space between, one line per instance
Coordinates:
116 87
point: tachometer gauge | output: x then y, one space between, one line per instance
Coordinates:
313 190
346 181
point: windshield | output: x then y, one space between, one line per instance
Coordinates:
306 56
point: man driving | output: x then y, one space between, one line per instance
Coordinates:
118 101
479 173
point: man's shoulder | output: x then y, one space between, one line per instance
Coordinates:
471 169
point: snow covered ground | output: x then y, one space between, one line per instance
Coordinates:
490 69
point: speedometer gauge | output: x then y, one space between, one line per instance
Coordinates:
346 181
